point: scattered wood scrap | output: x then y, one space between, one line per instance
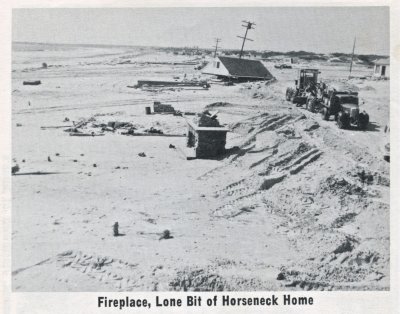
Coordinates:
153 134
31 82
56 127
86 134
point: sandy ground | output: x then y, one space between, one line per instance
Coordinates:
285 210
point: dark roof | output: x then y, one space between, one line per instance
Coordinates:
245 68
383 61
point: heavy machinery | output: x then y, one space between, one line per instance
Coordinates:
306 82
343 104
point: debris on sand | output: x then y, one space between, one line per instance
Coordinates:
172 146
71 130
60 127
131 131
142 154
157 133
154 131
258 96
158 107
118 125
18 124
182 84
32 82
115 229
86 134
48 159
166 235
14 169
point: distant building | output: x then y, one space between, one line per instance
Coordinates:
291 60
382 68
237 69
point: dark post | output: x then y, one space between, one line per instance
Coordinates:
249 25
217 40
352 57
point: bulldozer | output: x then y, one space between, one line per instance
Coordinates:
306 87
343 104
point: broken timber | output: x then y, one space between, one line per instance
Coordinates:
153 134
142 83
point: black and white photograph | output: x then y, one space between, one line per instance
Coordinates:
198 149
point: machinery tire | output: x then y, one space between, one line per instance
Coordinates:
289 93
311 105
342 121
363 120
325 114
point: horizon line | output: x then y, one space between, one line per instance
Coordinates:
194 47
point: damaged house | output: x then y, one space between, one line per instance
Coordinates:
235 69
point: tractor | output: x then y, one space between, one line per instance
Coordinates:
306 83
343 104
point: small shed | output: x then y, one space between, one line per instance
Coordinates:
382 68
237 69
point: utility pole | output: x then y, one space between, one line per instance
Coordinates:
352 56
217 40
249 25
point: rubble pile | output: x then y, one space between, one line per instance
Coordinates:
158 107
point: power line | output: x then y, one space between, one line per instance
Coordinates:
249 25
217 40
352 57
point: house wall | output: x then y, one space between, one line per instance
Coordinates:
290 60
211 68
378 70
387 74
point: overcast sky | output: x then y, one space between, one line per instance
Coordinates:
280 29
